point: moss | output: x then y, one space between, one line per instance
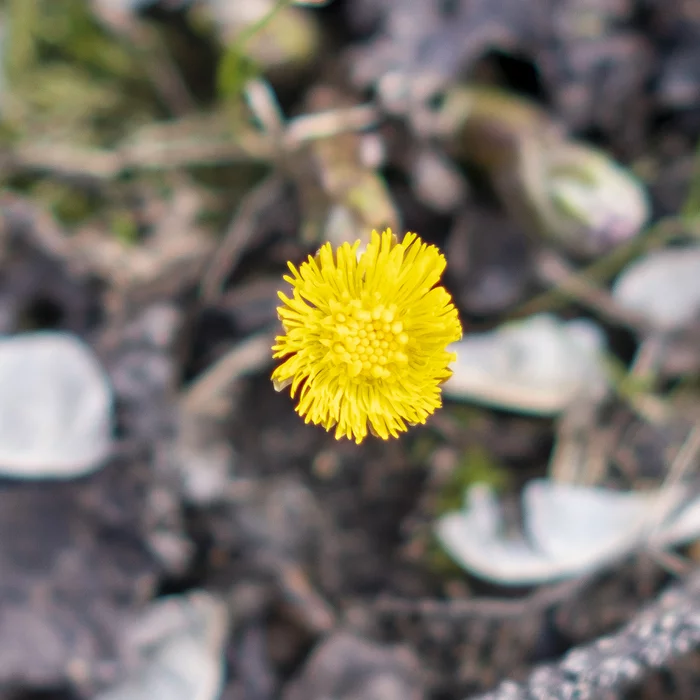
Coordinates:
124 227
69 204
475 466
69 77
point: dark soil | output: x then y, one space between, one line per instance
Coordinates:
324 549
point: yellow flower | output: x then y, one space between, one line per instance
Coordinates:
366 336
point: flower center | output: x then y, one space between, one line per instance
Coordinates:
370 340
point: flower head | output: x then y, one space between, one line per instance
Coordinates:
366 336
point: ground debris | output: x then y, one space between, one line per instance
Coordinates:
348 668
657 636
162 161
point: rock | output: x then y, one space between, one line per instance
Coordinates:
55 407
182 642
664 286
345 667
73 565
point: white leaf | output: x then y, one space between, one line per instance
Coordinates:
569 530
538 366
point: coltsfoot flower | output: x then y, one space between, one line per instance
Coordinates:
366 336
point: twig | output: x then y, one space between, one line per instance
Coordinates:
553 270
685 459
238 235
331 122
542 599
160 68
68 160
607 266
249 356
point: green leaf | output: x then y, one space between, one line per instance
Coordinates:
691 206
234 71
236 68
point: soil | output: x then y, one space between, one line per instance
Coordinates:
324 549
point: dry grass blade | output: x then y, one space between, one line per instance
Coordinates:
239 233
685 460
210 388
332 122
554 270
68 160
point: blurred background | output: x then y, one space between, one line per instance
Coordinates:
170 529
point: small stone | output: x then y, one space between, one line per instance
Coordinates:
55 407
664 287
181 641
